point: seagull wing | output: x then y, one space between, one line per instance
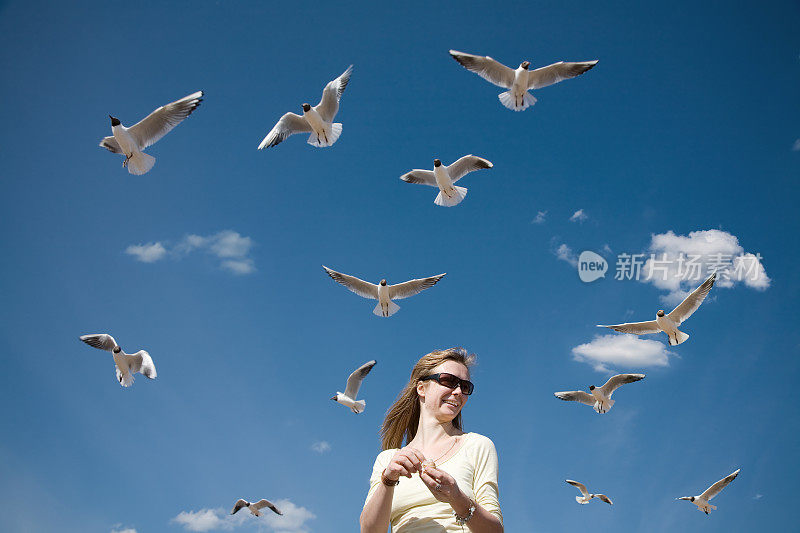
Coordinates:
487 68
329 104
617 381
162 120
355 379
289 124
551 74
412 287
101 341
467 164
693 301
239 504
637 328
581 486
363 288
142 362
576 396
111 144
260 504
717 487
605 498
425 177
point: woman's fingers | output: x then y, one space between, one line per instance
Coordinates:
415 456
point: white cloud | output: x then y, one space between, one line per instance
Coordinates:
678 263
796 146
230 247
565 253
321 446
624 351
758 496
147 253
293 520
541 216
116 529
578 216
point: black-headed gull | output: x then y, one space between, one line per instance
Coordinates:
348 398
255 507
126 364
131 141
668 323
317 120
599 397
521 80
702 501
444 177
382 292
586 498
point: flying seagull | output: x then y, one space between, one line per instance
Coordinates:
348 399
131 141
316 120
600 397
520 81
583 500
383 293
444 177
127 364
669 323
254 507
702 501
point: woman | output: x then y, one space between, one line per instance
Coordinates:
451 475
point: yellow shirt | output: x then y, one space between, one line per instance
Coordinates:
415 510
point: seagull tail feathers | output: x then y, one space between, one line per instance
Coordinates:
330 136
359 406
392 309
679 338
508 100
605 407
140 163
581 500
449 201
126 380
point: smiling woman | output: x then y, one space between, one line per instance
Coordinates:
456 472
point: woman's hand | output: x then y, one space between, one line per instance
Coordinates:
442 485
405 462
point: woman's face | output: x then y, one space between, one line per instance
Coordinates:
443 403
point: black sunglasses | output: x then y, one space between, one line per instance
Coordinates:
451 382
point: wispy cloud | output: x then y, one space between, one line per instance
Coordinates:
540 217
677 263
796 146
621 351
147 253
758 496
565 253
230 247
321 446
578 216
293 520
116 529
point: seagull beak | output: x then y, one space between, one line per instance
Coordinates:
334 398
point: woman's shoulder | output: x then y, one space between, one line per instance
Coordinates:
385 456
479 441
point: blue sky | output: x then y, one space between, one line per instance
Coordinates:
688 125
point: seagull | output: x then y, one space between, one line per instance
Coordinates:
669 323
127 364
583 500
522 80
316 120
131 141
702 501
600 397
384 293
444 177
254 507
348 399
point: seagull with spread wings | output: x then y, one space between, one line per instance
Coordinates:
382 292
348 398
131 141
586 496
317 120
668 323
702 501
255 507
520 81
444 178
599 397
126 364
